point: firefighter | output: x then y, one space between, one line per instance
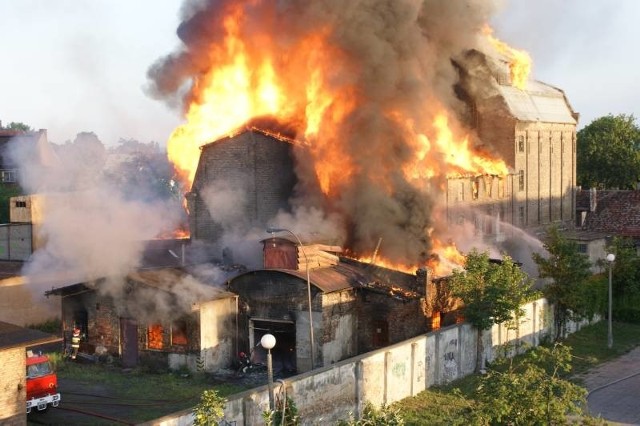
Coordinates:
75 342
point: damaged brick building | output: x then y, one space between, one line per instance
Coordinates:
162 316
533 129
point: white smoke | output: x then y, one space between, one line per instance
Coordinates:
83 225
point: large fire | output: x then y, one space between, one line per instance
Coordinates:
519 60
253 67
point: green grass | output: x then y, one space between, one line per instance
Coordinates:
449 405
589 345
147 396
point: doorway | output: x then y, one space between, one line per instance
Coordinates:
283 354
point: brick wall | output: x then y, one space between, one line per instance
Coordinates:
13 391
256 165
384 320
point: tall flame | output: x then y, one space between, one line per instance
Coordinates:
519 60
367 89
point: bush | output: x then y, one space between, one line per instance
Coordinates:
383 416
627 314
209 410
51 326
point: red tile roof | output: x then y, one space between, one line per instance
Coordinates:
616 212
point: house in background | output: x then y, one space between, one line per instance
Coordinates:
602 215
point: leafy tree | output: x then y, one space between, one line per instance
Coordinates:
17 126
568 270
529 392
144 173
6 192
608 153
626 270
492 293
372 416
209 410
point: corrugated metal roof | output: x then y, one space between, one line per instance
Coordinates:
539 102
330 279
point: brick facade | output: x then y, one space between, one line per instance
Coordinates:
258 166
13 391
534 132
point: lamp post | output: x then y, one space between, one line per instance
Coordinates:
268 341
274 230
610 258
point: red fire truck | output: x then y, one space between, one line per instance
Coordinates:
42 383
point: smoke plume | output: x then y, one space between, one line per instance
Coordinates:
387 67
84 227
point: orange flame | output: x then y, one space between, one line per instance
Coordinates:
303 85
519 60
458 156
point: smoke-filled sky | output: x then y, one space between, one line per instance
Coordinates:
81 66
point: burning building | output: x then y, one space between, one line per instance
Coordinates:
385 127
165 317
533 129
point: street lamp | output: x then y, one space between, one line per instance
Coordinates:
610 258
268 341
304 253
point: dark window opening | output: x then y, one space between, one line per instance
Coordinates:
179 333
521 143
521 180
21 204
380 333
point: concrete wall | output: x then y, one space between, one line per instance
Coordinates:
15 241
386 375
13 387
217 332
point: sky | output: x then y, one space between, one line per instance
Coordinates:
72 66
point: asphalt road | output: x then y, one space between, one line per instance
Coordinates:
614 389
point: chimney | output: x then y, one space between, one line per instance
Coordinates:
593 200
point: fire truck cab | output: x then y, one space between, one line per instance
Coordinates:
42 383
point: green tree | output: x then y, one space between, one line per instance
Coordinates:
626 270
209 410
492 293
17 126
608 153
568 271
531 391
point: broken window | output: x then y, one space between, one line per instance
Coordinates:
179 333
154 336
435 320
